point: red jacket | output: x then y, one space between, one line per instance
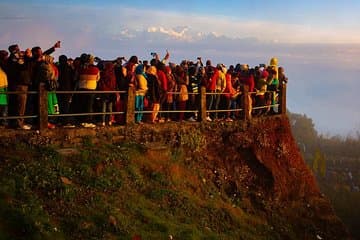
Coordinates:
212 83
248 80
229 90
107 80
163 80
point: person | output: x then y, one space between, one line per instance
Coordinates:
163 87
48 74
229 93
212 74
89 75
35 62
220 87
107 82
121 85
19 74
272 86
282 77
66 83
141 89
37 59
193 88
153 92
3 97
180 77
261 89
171 87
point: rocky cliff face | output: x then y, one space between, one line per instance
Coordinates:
247 180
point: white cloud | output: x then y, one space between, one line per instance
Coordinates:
320 74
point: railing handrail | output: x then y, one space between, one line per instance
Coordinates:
130 110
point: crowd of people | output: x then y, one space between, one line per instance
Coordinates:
164 90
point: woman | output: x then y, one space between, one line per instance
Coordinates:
171 87
141 89
180 77
229 93
107 82
153 92
48 74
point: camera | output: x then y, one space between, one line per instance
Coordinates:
153 54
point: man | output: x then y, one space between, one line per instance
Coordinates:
89 75
66 83
35 65
19 78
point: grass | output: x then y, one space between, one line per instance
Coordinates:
108 191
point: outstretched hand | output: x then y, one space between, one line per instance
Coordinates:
167 56
57 44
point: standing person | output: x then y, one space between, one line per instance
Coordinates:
193 88
141 89
282 77
89 75
107 82
183 96
261 89
246 78
273 86
36 61
153 92
19 74
171 87
48 74
66 83
163 87
212 74
230 93
3 97
122 85
220 87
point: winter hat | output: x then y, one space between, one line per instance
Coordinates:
264 74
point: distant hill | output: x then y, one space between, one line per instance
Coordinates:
335 161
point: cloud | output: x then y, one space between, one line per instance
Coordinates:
323 75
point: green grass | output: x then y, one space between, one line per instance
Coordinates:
115 192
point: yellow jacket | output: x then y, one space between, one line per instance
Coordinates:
141 85
3 79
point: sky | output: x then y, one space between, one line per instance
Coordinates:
317 42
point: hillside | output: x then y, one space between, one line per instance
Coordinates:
243 180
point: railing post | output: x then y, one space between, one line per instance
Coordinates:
246 106
130 110
43 108
282 99
202 107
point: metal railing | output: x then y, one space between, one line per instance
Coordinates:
129 113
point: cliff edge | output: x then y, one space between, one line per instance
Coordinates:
239 180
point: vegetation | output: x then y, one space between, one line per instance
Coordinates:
335 161
155 183
114 192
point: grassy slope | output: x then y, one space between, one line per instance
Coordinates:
115 192
189 188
